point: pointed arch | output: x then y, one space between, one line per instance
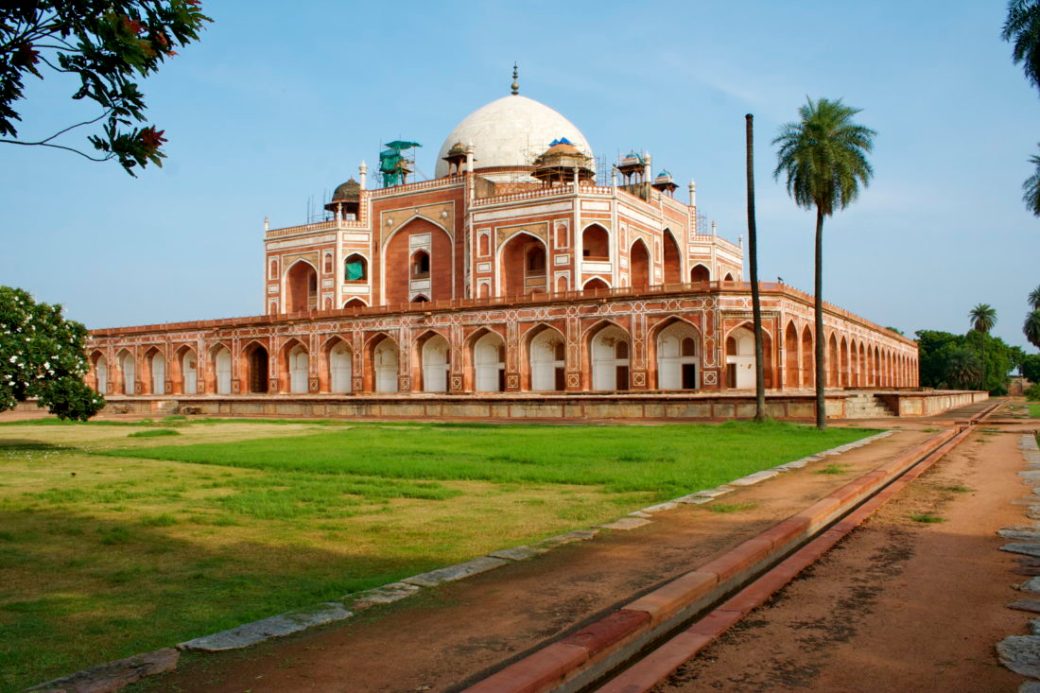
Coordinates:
184 368
792 357
487 357
843 369
522 263
608 348
808 358
153 376
596 285
337 366
294 365
99 371
255 367
833 362
433 352
639 265
127 371
676 346
740 357
300 287
672 259
382 364
355 304
700 274
218 374
595 243
546 357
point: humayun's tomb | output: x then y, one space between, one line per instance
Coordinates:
513 283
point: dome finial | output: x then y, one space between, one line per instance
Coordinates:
516 83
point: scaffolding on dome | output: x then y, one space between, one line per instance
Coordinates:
394 164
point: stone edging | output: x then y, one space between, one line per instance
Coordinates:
112 676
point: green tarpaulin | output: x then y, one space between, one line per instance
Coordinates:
355 271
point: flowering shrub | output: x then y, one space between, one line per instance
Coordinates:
42 355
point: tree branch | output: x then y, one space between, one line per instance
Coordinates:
57 146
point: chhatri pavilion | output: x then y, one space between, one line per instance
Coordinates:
516 269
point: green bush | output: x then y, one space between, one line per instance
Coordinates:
1033 393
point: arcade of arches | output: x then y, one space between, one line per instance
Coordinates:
605 344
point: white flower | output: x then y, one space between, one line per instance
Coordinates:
13 359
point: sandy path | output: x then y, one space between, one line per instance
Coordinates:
900 605
453 633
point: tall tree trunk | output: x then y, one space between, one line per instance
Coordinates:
756 303
821 362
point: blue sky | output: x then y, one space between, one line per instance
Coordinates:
275 108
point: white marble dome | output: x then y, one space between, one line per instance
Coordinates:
510 131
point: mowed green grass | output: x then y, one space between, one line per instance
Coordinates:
1034 411
113 543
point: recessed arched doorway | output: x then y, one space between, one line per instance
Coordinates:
547 355
609 351
301 288
678 357
436 357
489 368
386 365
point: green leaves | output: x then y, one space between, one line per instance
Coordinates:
1022 29
42 355
109 46
824 156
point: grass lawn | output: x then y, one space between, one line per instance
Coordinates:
1034 411
113 542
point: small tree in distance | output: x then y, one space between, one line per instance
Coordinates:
108 45
42 355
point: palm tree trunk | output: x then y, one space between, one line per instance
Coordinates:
821 363
756 302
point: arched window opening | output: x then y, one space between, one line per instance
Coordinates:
483 248
355 268
596 286
420 265
700 274
420 299
355 304
328 263
595 242
728 277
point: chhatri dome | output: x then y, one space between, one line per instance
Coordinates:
511 131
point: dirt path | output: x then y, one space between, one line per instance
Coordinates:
452 633
900 605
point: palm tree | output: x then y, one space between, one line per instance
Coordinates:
983 318
963 369
1022 29
1031 189
1031 328
1034 298
824 157
756 301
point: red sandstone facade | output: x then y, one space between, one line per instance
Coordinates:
510 278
